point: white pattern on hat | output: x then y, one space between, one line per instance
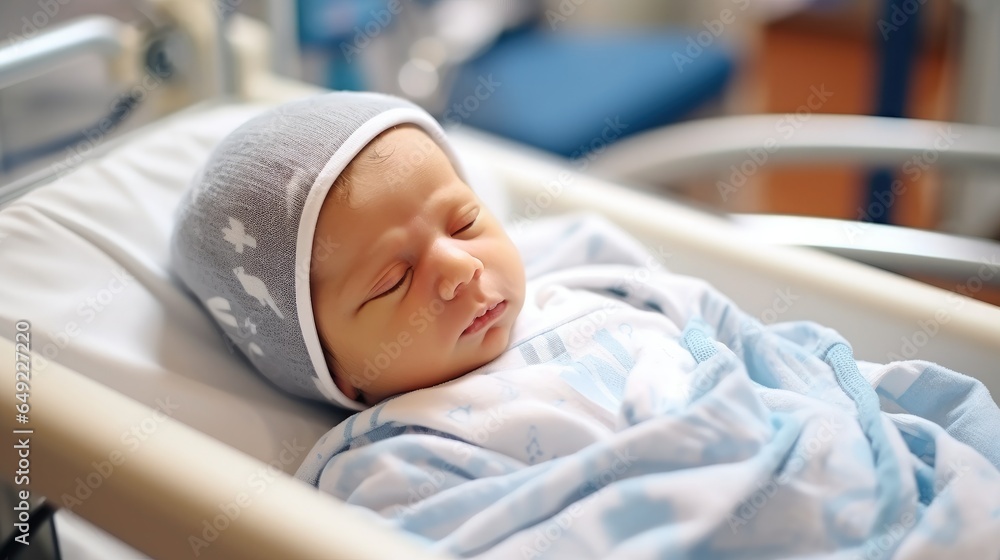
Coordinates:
219 307
238 236
256 288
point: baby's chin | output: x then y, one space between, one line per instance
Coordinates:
497 340
490 356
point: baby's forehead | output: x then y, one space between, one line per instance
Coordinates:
394 159
401 177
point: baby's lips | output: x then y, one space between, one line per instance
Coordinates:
492 313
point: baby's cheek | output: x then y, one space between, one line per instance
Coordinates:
421 320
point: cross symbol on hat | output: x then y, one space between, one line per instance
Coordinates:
236 235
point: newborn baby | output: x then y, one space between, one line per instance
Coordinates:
425 284
337 245
600 408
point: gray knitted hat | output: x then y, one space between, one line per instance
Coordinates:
242 240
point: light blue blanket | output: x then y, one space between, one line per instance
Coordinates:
652 418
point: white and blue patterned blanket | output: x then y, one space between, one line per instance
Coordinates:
641 414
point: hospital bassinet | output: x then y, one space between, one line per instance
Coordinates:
144 425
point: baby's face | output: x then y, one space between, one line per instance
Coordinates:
417 258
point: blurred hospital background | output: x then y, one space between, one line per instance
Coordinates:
579 79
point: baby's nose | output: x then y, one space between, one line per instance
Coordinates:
452 287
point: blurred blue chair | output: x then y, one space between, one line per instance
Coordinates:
571 93
565 92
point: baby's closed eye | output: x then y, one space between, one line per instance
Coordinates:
395 287
473 216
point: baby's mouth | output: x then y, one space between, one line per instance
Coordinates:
486 316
